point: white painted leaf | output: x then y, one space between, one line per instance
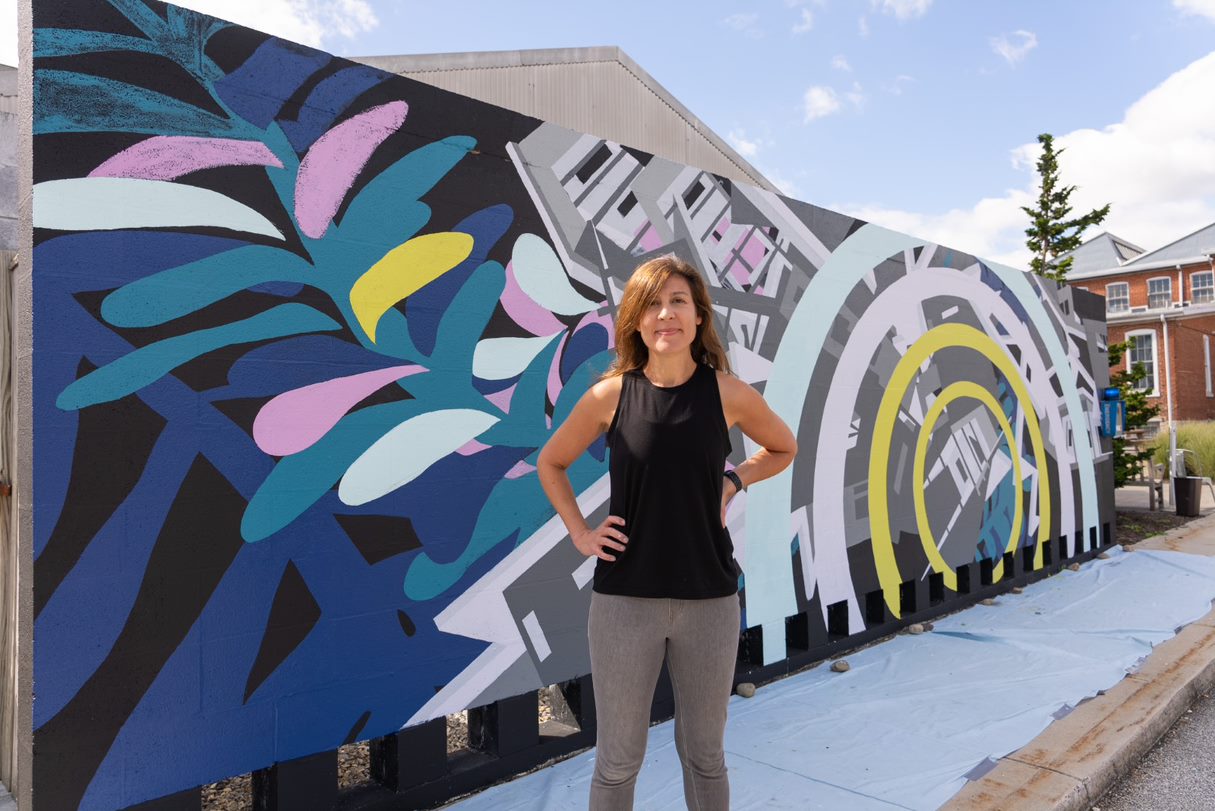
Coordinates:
110 203
539 273
503 358
405 452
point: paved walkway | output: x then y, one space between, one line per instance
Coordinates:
1072 763
906 726
1176 775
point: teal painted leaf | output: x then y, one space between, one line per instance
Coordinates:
525 426
188 288
467 315
374 211
72 102
146 365
50 42
297 481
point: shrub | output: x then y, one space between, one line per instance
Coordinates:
1196 436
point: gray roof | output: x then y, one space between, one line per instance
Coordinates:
1101 252
1194 246
594 90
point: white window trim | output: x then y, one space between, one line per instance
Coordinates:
1168 279
1206 357
1127 285
1155 392
1212 285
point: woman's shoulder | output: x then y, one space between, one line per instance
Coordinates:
607 387
731 386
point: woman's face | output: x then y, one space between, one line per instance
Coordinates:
668 323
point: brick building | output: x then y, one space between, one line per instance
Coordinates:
1163 303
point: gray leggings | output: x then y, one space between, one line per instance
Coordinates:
629 636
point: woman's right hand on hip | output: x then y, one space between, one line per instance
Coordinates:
602 540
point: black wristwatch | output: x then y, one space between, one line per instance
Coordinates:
732 476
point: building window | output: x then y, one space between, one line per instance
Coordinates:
1143 350
1202 287
1160 293
1117 297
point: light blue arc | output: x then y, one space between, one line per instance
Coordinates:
111 203
405 452
769 576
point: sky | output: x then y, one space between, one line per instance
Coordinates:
920 115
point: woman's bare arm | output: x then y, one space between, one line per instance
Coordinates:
590 417
746 408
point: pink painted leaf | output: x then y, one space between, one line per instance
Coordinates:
168 157
335 160
297 419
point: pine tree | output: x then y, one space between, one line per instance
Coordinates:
1051 233
1127 461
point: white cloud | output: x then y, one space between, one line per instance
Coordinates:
1015 46
1203 8
747 147
840 63
8 32
856 96
744 24
820 101
805 23
862 27
903 9
895 88
1156 167
311 22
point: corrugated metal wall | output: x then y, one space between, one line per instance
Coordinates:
603 97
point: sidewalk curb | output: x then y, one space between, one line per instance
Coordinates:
1076 759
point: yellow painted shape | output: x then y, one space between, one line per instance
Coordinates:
946 335
957 391
403 271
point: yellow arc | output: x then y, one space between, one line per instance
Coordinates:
403 271
956 391
946 335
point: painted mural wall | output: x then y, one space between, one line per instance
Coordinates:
301 327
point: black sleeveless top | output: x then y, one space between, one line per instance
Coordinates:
668 451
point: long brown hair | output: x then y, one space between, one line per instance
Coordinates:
642 287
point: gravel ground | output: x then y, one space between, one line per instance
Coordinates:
354 760
1176 775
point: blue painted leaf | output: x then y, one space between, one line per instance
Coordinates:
259 88
328 100
145 365
188 288
299 480
72 102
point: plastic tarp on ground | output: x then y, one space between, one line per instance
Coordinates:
916 714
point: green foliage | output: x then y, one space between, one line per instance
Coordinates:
1051 232
1196 436
1127 460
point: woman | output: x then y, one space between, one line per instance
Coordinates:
666 584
